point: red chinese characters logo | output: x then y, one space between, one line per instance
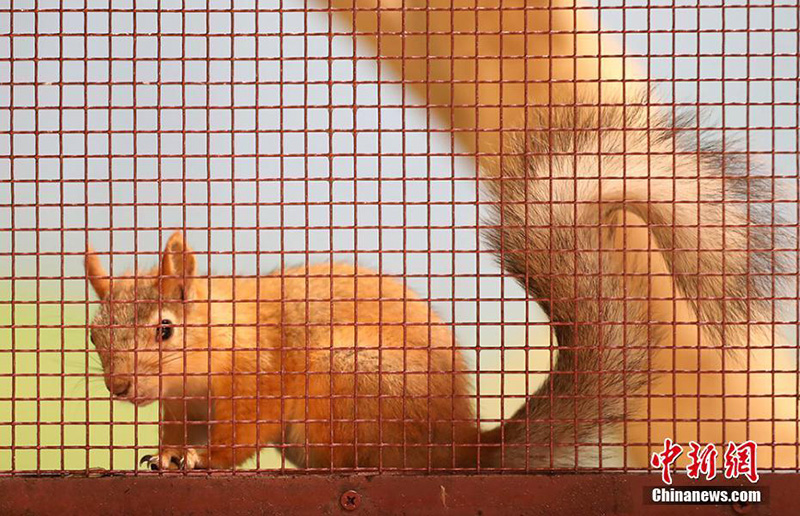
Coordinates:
738 460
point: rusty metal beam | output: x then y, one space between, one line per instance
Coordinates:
556 494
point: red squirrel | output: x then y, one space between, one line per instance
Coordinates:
287 359
342 366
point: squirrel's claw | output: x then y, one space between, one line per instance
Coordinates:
151 461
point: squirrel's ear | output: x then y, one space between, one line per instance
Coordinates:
178 267
96 274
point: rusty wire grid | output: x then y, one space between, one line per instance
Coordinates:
269 135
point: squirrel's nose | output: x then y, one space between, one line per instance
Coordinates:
120 387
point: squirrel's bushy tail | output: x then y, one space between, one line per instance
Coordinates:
559 206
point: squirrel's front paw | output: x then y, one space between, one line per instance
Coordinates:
174 458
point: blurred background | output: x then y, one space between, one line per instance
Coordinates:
275 137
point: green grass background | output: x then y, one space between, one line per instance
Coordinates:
72 424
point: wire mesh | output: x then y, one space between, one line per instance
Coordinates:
361 236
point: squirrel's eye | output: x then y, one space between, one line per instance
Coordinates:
164 331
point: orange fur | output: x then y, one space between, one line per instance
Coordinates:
341 366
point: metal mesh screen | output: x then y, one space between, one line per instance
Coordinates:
365 235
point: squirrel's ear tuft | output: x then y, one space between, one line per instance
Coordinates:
97 274
178 267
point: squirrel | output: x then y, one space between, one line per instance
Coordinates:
279 365
341 366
